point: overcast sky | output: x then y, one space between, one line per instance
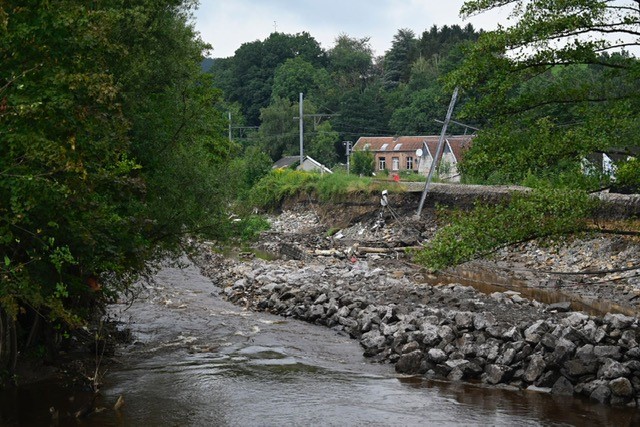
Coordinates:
227 24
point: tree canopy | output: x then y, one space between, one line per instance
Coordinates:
110 152
551 89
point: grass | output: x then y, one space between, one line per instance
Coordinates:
270 191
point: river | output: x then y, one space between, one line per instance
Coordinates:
197 360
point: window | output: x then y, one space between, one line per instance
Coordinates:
396 163
397 147
409 163
382 163
384 147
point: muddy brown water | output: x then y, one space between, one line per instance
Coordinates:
199 361
488 281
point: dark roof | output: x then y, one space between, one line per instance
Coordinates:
381 144
285 162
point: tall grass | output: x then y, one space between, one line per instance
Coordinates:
272 189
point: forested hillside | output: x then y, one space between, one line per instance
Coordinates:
356 92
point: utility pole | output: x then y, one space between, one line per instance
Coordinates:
301 131
436 159
348 145
316 120
229 125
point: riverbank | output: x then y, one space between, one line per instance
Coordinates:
356 281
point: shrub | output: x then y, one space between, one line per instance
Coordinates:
539 213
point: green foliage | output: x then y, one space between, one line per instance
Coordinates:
248 76
271 190
322 145
398 59
628 176
548 97
249 228
111 147
363 163
539 213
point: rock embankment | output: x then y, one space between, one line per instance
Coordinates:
451 332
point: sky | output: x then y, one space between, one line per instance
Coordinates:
227 24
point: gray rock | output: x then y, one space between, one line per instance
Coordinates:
599 335
633 365
628 339
607 351
547 379
633 353
458 363
563 350
575 319
585 353
496 330
494 374
575 335
315 312
534 332
321 299
579 367
436 355
372 339
410 347
490 350
483 320
602 394
560 307
409 363
389 330
512 334
618 321
549 341
348 322
621 387
446 333
612 369
535 368
562 387
464 319
456 374
430 335
506 357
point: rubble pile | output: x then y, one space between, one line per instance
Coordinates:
451 332
353 280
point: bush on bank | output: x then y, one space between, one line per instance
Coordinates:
539 213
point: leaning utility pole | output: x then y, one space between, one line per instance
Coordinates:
301 131
436 159
347 144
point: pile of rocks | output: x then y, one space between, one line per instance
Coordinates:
450 331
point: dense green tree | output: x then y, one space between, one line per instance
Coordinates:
248 76
297 76
552 74
322 145
279 133
399 59
362 163
351 62
109 153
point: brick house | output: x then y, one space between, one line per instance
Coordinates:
399 153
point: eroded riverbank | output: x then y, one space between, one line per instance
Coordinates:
450 332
